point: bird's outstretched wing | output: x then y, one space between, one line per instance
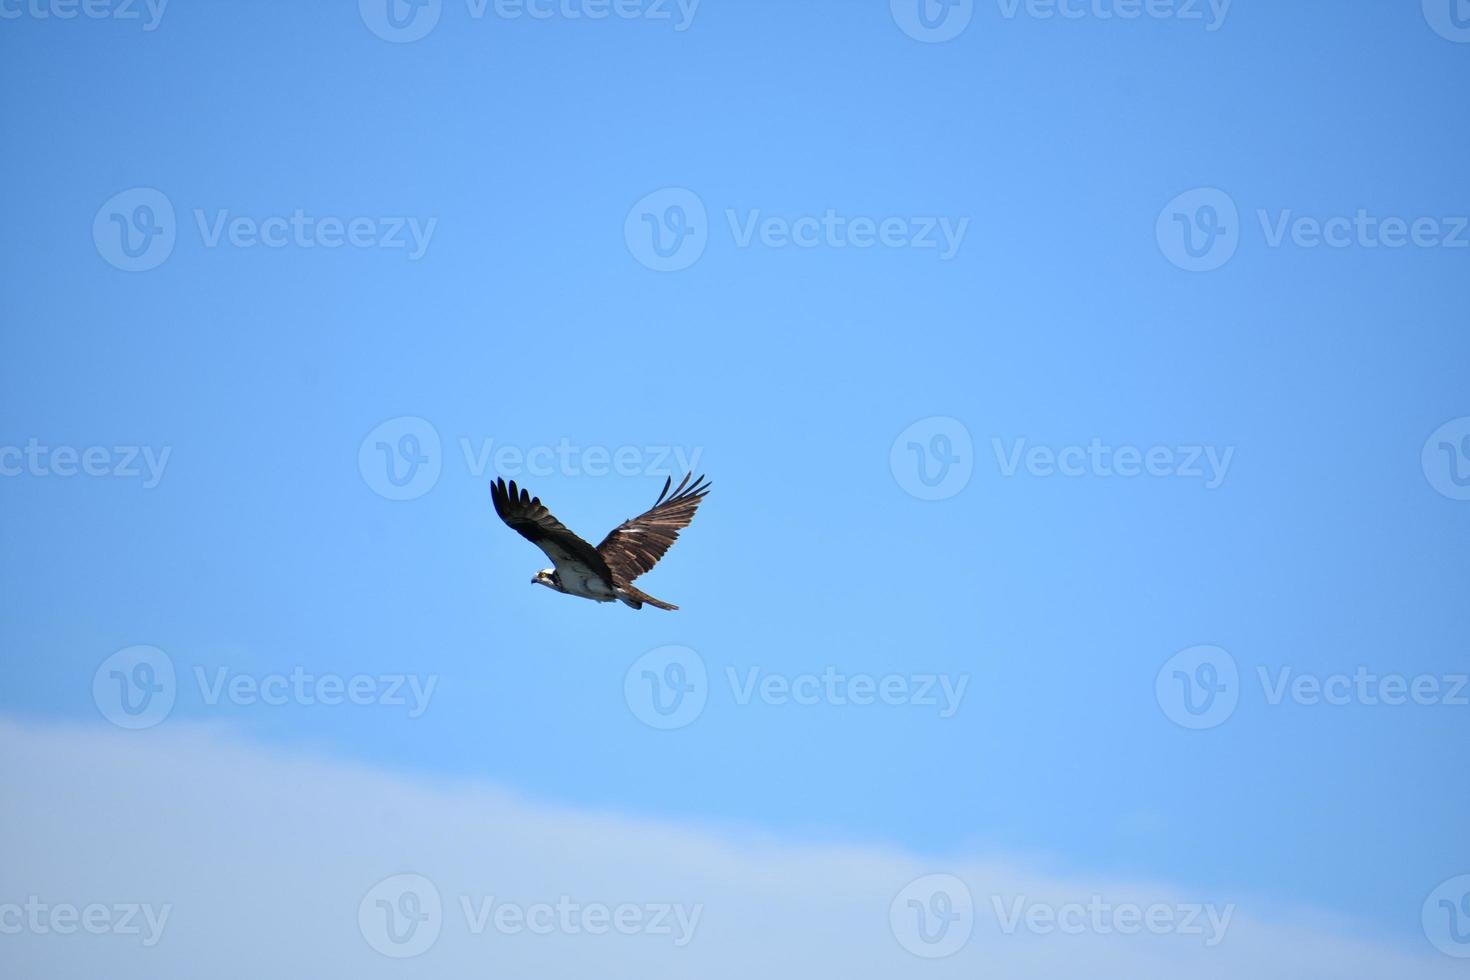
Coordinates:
635 546
529 518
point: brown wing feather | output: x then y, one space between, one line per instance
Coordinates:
529 518
635 546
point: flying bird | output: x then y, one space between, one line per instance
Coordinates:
604 573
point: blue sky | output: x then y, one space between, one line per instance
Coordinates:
527 154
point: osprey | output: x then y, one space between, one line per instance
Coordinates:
606 572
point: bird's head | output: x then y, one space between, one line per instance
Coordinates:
546 577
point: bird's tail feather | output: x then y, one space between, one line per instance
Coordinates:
636 598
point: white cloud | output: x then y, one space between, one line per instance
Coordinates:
264 864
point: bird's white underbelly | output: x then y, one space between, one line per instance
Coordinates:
586 585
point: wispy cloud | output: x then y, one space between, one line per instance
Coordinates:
254 864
